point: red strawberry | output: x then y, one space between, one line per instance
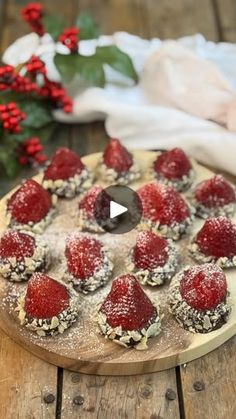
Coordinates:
31 202
45 297
173 164
117 157
87 203
163 204
64 164
215 192
84 255
217 237
150 250
127 305
16 244
203 287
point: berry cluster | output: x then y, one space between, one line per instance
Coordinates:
69 38
6 76
57 94
35 66
10 79
30 152
11 117
33 14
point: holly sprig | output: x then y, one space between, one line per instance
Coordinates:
89 68
28 97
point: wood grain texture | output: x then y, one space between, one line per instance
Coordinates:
215 375
86 352
24 381
117 15
139 397
226 14
168 19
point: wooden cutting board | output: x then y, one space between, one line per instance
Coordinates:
82 348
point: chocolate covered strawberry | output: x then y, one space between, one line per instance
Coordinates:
31 206
66 174
64 164
216 241
15 244
89 264
48 306
22 254
214 197
153 259
174 169
198 298
87 206
164 210
127 315
118 164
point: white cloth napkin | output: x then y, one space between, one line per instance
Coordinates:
183 85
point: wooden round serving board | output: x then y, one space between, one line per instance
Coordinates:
82 348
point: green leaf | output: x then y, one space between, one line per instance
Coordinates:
38 113
118 60
9 162
88 28
43 133
90 69
54 25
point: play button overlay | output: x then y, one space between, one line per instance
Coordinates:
118 209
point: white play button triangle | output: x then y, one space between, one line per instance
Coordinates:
116 209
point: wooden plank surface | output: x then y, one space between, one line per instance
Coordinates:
173 19
209 384
226 13
25 381
162 18
137 397
117 15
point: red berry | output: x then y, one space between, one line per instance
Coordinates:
69 37
117 157
31 202
163 204
23 160
217 238
203 287
32 14
84 256
11 117
64 164
215 192
16 244
127 305
87 203
35 66
45 297
40 158
173 164
150 250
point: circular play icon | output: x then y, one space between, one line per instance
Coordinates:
118 209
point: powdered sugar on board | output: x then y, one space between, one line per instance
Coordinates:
82 341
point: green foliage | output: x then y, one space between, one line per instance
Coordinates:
54 25
91 68
118 60
8 159
88 29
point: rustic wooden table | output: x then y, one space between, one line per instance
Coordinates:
205 388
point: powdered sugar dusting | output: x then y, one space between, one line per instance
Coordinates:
82 341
